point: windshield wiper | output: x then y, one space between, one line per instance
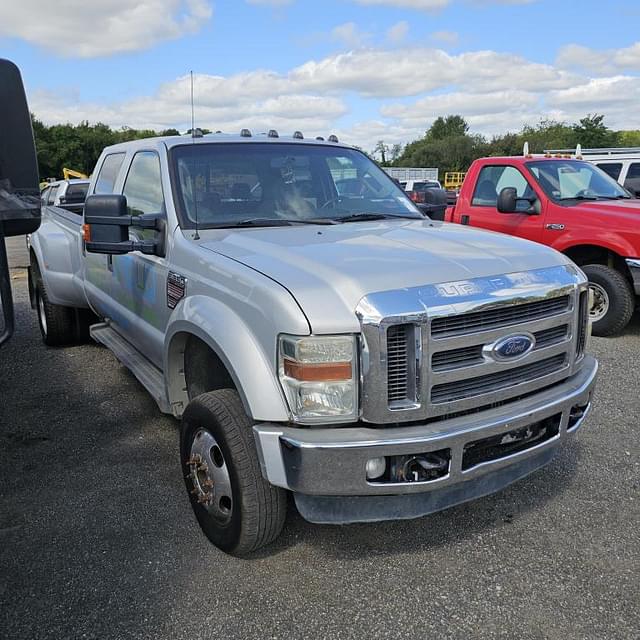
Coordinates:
270 222
581 198
363 217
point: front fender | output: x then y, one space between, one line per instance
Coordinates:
234 343
608 239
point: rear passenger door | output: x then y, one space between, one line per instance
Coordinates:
139 280
98 274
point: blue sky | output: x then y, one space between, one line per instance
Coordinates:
367 69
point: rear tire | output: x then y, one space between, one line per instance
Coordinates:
57 324
613 299
237 509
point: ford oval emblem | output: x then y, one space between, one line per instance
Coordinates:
513 347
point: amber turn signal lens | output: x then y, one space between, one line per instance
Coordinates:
320 372
86 232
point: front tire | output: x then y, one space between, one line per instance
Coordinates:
237 509
613 299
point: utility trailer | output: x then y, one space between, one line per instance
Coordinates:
404 174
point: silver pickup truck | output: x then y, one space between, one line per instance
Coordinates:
330 342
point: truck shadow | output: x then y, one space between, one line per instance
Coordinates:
464 522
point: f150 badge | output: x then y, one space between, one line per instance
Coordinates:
511 347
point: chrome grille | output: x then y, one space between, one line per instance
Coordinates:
471 387
449 326
397 363
430 351
469 356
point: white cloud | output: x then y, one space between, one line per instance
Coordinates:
397 33
447 37
409 87
575 56
102 27
350 35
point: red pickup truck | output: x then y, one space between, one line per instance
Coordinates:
571 206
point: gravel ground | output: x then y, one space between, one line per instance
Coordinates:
97 539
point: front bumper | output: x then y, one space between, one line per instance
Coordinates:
324 466
634 268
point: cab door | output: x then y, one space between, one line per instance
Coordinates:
98 273
483 212
139 281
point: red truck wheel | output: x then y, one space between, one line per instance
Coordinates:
613 300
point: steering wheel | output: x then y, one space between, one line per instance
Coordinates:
337 200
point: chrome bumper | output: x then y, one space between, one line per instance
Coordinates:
330 462
634 268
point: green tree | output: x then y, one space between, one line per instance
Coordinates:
448 127
592 132
382 149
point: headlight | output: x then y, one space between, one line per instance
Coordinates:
319 377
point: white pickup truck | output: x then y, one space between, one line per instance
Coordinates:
338 345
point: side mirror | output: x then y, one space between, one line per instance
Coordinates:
507 200
106 227
19 186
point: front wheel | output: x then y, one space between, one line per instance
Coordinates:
613 299
238 510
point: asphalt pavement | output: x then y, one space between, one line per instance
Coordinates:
97 538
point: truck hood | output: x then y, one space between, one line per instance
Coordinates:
329 269
628 210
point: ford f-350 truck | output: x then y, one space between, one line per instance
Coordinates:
572 206
345 348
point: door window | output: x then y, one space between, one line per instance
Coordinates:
143 189
632 181
108 173
492 180
612 169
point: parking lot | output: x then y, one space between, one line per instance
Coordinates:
97 538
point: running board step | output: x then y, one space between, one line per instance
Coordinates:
145 371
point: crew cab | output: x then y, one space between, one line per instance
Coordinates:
315 337
572 206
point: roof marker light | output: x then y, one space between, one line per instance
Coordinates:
298 135
245 133
320 138
273 133
333 138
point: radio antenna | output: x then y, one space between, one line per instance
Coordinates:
196 236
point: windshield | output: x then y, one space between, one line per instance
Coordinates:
275 183
575 180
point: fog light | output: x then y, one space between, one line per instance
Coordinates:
375 468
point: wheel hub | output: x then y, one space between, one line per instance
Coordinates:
600 305
209 475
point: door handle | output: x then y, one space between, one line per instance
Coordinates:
465 219
110 262
555 227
